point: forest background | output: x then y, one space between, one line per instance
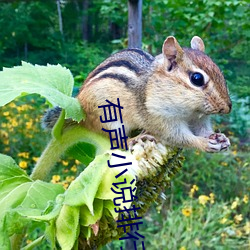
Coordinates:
207 206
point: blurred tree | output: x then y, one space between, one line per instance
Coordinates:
134 23
30 31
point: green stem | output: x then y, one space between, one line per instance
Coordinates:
57 147
16 240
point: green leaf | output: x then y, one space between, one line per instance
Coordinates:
50 234
86 218
83 189
46 216
53 82
83 152
14 223
96 182
20 197
39 194
6 186
9 168
67 226
4 240
110 206
86 231
14 198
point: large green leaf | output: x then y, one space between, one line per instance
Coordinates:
67 226
9 168
53 82
39 194
6 186
83 152
21 199
83 189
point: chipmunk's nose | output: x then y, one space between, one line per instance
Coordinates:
227 108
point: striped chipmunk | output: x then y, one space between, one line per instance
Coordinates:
169 97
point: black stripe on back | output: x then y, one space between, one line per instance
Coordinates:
118 63
118 77
142 53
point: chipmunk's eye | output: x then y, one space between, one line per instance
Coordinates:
197 79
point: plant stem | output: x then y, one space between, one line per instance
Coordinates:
16 240
57 147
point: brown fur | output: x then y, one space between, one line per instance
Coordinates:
157 94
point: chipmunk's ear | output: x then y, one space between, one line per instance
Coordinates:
171 49
197 43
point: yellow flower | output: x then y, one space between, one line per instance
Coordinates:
211 195
238 233
234 152
23 164
203 199
55 178
223 220
182 248
224 164
235 203
247 227
6 113
65 163
193 190
14 123
23 107
238 218
24 154
245 199
77 162
35 159
12 105
6 141
223 235
187 211
28 241
197 242
65 185
29 124
70 178
238 159
4 134
73 168
6 149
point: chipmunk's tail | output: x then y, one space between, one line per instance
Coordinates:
50 117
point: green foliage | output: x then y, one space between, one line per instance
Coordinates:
52 82
19 198
81 58
199 223
222 24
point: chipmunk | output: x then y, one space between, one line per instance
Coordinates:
170 96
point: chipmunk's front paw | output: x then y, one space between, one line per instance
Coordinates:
217 142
